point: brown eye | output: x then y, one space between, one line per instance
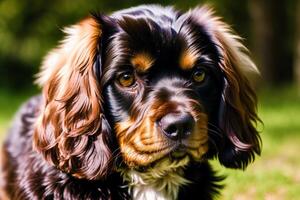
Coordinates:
199 76
126 79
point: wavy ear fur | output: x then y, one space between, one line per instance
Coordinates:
238 109
72 132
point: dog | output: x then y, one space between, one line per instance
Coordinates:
133 106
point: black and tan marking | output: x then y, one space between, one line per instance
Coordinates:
162 80
188 59
142 61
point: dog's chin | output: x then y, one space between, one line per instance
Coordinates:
178 154
177 157
167 163
137 156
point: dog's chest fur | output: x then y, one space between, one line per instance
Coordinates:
155 186
159 183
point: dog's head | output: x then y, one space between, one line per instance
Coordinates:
147 84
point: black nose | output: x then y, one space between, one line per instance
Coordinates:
177 126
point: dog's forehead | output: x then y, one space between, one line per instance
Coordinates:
142 61
160 34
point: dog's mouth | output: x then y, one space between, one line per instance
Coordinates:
150 142
145 152
179 152
178 156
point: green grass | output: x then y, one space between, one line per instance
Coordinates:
273 176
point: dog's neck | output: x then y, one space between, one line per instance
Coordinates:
148 186
161 182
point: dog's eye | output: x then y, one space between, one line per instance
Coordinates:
126 79
199 75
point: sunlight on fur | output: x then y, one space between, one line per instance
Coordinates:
160 182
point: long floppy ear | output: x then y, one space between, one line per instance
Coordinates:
238 108
72 132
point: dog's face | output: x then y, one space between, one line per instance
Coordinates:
163 88
149 83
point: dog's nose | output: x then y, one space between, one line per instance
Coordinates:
177 126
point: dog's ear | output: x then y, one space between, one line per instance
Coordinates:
72 132
238 108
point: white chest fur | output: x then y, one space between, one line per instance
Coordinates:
163 189
161 182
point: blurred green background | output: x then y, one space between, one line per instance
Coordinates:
28 29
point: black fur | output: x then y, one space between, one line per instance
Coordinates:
164 33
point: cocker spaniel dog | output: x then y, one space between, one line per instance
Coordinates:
133 106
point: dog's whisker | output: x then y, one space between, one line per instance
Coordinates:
214 132
214 126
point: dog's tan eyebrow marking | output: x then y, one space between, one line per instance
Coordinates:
142 61
188 59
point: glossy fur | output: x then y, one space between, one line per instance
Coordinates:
98 129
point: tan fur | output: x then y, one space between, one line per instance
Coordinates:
198 140
188 59
72 110
142 61
79 45
141 143
136 145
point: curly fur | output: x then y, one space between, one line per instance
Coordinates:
89 136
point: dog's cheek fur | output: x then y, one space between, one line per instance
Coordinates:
71 132
238 112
